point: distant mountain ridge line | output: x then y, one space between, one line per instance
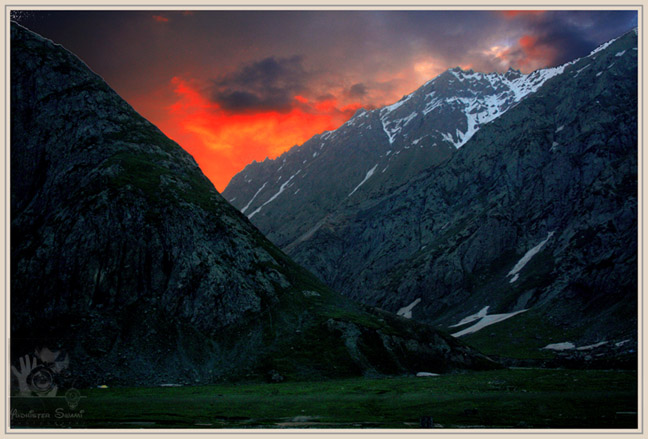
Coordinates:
510 72
506 90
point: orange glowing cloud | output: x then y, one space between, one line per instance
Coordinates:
499 52
529 54
517 13
160 18
427 69
536 55
223 142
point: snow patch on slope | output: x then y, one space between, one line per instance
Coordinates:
528 255
487 320
591 346
566 345
281 189
407 310
580 70
370 172
602 46
253 197
389 108
434 103
471 318
392 128
427 374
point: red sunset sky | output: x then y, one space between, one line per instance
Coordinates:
236 86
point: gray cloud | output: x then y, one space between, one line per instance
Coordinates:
358 90
575 33
269 84
378 49
325 97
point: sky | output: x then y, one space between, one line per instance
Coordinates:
232 87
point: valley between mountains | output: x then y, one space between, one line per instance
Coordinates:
482 222
126 257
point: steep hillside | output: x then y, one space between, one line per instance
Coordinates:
125 256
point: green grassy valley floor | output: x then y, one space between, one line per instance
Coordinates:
515 398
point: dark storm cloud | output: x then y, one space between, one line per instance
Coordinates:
325 97
574 34
357 90
269 84
388 52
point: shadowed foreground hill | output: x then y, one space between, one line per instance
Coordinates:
124 255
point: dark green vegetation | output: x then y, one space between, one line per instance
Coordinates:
521 336
518 398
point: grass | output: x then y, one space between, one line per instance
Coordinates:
519 398
140 171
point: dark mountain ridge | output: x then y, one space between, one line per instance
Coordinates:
535 216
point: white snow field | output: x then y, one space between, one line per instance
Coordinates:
407 310
484 321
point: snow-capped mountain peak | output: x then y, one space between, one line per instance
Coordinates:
392 143
470 99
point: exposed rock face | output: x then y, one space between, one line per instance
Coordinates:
124 254
558 168
375 151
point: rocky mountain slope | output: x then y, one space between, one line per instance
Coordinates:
375 151
125 256
534 217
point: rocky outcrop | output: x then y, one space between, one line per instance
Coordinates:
125 256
